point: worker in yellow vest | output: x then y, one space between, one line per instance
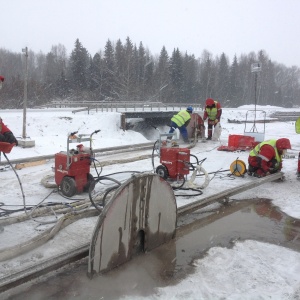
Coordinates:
212 112
181 121
266 157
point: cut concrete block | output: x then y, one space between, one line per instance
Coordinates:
26 143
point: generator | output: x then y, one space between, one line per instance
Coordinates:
72 167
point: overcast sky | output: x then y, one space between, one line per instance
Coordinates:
229 26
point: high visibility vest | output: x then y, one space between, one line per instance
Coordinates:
212 112
180 118
256 150
297 125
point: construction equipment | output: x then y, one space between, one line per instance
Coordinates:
174 161
196 128
72 168
176 164
252 118
238 168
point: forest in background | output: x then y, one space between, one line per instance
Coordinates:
125 72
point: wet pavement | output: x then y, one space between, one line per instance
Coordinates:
171 262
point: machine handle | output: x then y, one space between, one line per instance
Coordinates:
96 131
73 133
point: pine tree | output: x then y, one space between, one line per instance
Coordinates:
190 85
79 65
162 77
109 73
223 79
176 75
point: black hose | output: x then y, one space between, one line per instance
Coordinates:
95 167
219 171
107 192
123 172
93 184
190 195
20 183
179 187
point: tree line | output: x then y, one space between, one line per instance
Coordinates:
123 71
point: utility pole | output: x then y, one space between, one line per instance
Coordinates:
25 142
255 68
25 51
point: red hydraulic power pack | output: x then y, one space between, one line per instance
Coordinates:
79 169
176 161
72 168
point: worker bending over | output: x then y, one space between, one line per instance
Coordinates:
266 157
181 121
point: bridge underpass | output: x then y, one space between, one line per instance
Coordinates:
151 117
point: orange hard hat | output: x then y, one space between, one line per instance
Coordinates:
283 143
209 102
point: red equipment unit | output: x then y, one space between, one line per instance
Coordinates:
72 168
79 169
176 161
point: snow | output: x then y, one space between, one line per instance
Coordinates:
249 270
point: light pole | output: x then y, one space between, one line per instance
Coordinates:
25 50
255 68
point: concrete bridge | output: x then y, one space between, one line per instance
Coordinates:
151 117
152 112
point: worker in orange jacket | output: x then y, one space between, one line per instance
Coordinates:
266 157
6 135
212 112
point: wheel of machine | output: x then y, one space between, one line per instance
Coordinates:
90 180
68 186
162 171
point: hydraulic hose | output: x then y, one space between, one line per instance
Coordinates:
92 186
20 183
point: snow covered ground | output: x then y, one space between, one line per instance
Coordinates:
237 273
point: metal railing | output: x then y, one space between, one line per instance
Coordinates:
120 106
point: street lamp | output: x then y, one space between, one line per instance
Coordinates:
255 68
24 142
25 50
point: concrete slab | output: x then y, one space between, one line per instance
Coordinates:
26 143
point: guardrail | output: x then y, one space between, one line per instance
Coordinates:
120 106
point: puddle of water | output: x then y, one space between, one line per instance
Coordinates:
242 220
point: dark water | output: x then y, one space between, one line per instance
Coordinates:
166 265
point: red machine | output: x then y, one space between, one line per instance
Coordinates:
174 163
72 168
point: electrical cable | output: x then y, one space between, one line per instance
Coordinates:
20 183
190 195
219 171
95 167
92 188
107 192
